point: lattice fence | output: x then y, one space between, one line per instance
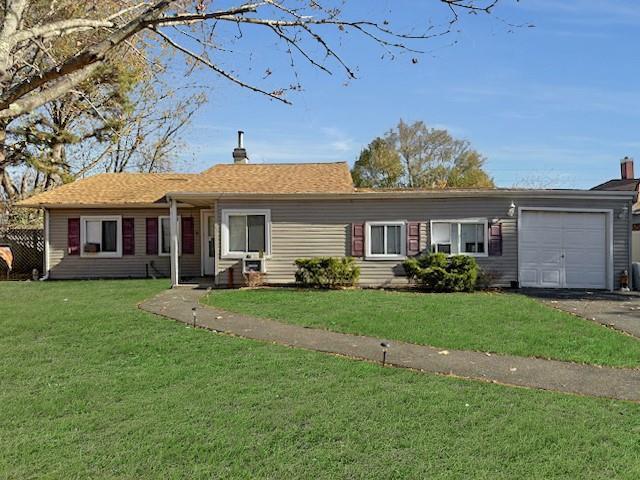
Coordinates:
27 245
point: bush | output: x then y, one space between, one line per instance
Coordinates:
439 273
327 272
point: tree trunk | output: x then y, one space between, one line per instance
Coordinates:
5 180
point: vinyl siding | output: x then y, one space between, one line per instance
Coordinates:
322 228
64 266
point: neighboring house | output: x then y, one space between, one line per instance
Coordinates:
207 224
627 183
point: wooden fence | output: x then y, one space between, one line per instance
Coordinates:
27 245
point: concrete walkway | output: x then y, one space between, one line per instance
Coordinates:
618 383
613 309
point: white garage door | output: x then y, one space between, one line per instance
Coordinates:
563 249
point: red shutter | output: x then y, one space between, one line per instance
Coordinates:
187 235
128 236
73 236
152 236
357 239
495 240
413 238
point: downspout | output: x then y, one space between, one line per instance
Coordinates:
46 265
630 241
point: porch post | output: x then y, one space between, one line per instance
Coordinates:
173 232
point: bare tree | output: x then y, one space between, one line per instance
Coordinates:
31 76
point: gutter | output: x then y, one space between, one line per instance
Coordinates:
565 194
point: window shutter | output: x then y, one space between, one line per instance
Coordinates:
73 236
413 238
357 239
152 236
128 236
187 235
495 240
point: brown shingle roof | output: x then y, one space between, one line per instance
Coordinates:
112 189
276 178
147 188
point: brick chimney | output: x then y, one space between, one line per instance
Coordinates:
240 153
626 168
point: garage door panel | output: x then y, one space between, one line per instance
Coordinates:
563 249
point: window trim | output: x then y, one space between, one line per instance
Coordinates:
384 256
83 236
168 254
460 221
224 231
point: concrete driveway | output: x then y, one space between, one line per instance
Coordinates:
614 309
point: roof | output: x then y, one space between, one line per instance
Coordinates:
620 185
149 188
273 178
112 189
295 180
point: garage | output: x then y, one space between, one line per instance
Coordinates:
564 249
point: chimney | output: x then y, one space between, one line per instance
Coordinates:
240 153
626 168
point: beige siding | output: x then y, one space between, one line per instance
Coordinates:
64 266
322 228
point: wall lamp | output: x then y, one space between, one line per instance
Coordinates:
512 209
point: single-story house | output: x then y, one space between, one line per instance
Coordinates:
240 216
628 183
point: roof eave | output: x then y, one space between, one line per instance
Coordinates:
580 194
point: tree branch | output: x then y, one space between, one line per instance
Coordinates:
218 70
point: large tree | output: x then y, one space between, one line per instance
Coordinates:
416 156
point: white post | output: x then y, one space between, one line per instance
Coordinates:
46 266
173 232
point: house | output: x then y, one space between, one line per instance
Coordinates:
627 183
240 216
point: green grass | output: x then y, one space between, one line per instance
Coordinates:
91 387
491 322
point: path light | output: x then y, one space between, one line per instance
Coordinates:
385 348
193 311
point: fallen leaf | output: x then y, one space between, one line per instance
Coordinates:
443 352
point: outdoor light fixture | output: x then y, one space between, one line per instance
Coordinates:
385 347
512 209
623 212
193 311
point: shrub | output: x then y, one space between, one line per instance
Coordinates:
327 272
254 279
439 273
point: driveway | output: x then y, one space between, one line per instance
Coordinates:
613 309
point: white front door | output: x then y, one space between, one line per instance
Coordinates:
563 249
208 242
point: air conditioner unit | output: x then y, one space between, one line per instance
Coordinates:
253 265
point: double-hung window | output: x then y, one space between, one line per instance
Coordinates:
385 240
101 236
245 232
164 235
466 237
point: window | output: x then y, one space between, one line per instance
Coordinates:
466 237
385 240
164 236
101 236
245 231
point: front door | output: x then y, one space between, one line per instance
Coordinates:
208 242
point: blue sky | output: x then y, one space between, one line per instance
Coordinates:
555 105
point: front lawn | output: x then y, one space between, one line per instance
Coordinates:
492 322
94 388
